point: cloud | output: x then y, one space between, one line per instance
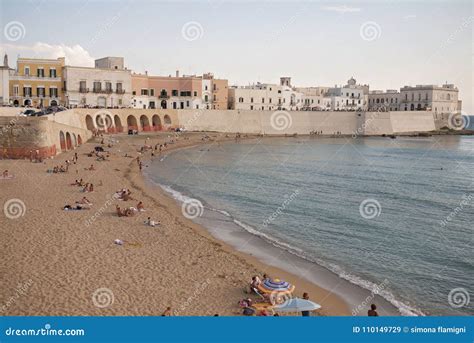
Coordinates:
341 9
75 55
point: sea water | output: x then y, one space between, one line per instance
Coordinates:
392 215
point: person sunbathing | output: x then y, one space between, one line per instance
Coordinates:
119 211
151 222
140 207
86 188
91 187
5 173
84 201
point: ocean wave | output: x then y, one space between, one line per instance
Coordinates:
403 308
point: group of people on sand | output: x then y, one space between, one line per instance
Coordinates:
123 194
130 211
59 169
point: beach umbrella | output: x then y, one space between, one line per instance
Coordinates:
275 286
297 305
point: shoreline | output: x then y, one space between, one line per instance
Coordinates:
332 305
260 252
66 261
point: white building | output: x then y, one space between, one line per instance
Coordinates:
5 71
266 97
314 98
440 99
97 87
351 97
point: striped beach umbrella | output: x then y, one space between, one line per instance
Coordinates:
275 286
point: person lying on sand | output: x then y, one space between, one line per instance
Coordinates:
5 173
167 312
151 222
140 207
75 208
84 201
90 168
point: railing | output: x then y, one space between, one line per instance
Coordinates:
83 90
102 91
163 96
120 91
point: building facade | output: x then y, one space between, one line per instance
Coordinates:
351 97
439 99
97 87
37 82
266 97
179 92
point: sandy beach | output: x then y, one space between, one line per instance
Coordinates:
57 262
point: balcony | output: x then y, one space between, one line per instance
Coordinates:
102 91
83 90
163 96
120 91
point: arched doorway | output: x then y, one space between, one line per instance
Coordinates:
89 123
62 141
54 103
68 141
27 102
167 119
132 123
118 124
144 123
412 107
74 140
79 139
163 104
156 122
16 103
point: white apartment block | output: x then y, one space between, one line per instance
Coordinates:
439 99
266 97
97 87
351 97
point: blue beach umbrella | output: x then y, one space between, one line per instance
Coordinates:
297 305
275 286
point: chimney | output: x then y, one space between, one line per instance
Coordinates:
177 73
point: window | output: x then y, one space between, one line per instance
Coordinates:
82 86
206 98
263 100
40 72
52 72
40 92
27 71
118 86
214 87
108 87
134 93
27 91
251 99
97 86
16 90
195 93
241 99
181 105
251 107
144 92
120 102
187 103
152 92
174 92
205 87
215 98
270 100
279 92
53 92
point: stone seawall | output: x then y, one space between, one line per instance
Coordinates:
25 137
304 122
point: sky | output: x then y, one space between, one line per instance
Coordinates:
386 44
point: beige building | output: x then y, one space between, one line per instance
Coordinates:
439 99
107 87
37 82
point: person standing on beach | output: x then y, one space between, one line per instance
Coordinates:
305 313
167 312
373 311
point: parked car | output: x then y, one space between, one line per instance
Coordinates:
28 112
